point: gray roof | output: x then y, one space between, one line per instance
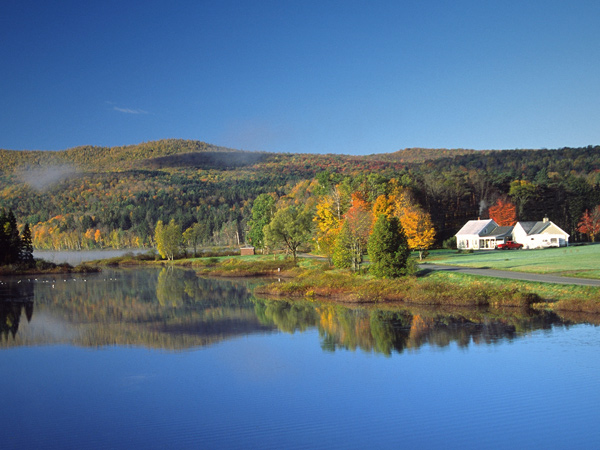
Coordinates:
499 232
539 227
527 226
535 227
474 226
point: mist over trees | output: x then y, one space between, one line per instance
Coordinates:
114 197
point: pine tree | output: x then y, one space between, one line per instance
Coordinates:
26 253
10 241
388 248
342 249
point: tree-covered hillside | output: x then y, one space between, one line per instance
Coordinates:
89 197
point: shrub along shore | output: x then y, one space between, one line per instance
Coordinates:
41 267
314 279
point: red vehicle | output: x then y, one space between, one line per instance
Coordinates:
509 245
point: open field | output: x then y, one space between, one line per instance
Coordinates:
580 261
549 292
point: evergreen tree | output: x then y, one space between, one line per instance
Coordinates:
3 238
10 241
388 248
342 249
26 254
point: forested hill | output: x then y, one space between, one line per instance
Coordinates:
92 158
87 197
420 155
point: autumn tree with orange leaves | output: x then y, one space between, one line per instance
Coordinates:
415 222
590 223
355 231
504 213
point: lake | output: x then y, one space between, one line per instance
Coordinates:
160 358
76 257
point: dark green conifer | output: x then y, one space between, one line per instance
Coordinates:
26 254
388 248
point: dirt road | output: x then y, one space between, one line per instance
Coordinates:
523 276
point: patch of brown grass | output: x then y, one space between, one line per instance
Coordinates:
349 287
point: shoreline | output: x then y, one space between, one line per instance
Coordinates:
314 279
43 267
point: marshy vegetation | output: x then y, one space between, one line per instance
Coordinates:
432 289
313 278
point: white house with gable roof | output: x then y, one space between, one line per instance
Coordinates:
481 234
542 234
486 234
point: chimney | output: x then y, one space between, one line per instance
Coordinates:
545 219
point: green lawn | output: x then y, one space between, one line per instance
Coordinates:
580 261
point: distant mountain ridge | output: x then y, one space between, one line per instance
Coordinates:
161 154
93 197
420 155
105 158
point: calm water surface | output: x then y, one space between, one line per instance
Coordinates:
164 359
76 257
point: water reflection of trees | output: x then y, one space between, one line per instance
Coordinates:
396 329
16 298
175 309
10 317
166 308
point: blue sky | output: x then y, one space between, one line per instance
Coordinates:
353 77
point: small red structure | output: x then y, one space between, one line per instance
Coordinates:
247 251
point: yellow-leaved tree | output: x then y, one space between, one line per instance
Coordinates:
418 228
383 205
168 239
328 219
416 222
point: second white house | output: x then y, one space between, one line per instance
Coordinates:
487 234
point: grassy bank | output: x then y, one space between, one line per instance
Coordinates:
436 288
219 265
42 267
312 278
577 261
243 266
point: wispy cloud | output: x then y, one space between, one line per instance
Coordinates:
45 177
115 107
129 110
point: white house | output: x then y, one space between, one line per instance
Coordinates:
486 234
540 234
481 234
